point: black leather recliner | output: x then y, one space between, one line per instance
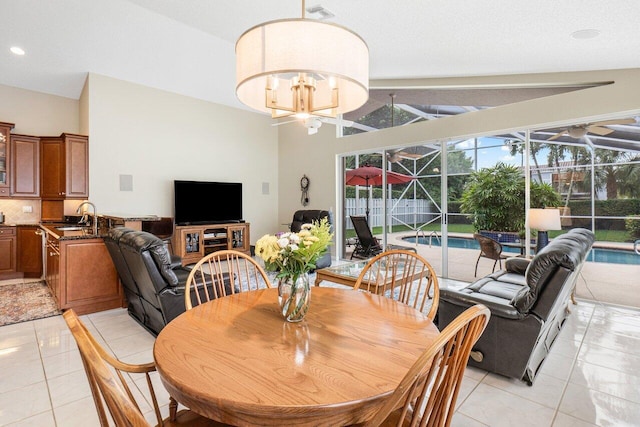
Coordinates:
307 216
153 284
529 302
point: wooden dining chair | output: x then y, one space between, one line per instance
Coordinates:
223 273
428 392
404 276
114 391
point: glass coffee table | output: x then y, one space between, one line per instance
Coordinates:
343 274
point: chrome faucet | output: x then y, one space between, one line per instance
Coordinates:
84 215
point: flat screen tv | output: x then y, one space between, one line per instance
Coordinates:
203 202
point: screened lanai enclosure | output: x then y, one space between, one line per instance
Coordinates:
591 172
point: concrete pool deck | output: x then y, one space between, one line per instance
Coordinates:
598 282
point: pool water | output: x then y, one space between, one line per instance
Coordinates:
612 256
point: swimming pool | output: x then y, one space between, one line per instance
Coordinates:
612 256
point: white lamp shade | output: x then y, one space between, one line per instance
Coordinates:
333 55
545 219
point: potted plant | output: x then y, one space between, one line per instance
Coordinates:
495 196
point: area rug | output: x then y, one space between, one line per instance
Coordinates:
26 301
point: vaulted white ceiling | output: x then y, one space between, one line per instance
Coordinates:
187 46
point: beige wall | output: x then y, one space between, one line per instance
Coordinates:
36 113
158 136
39 114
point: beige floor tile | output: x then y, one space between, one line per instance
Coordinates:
545 390
81 413
25 402
68 388
20 373
599 408
564 420
489 405
607 380
61 364
44 419
625 361
132 344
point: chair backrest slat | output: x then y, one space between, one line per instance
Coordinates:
404 276
428 392
223 273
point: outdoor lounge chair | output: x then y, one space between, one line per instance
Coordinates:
367 245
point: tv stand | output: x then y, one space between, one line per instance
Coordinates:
192 242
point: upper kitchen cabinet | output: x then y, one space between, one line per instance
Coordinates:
64 167
5 159
25 166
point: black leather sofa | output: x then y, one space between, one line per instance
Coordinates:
529 302
307 216
153 284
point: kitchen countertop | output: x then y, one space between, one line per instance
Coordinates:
67 231
129 217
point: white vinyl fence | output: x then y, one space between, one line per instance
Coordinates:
403 211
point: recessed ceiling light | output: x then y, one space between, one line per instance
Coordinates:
17 50
585 34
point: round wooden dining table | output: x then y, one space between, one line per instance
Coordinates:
236 360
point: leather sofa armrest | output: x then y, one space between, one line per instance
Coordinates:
176 261
497 305
517 265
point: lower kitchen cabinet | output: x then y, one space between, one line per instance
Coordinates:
8 253
29 251
82 276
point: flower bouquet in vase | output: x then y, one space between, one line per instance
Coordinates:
292 256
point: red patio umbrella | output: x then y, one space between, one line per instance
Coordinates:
371 175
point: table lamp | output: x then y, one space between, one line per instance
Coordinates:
544 220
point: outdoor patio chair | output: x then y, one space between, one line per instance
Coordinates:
491 249
367 245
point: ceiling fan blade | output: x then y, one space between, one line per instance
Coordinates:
557 135
311 131
614 122
410 155
599 130
345 123
284 123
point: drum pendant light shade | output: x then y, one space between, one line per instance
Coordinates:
302 67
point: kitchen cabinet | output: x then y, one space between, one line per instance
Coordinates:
8 252
81 274
64 167
5 158
29 257
25 166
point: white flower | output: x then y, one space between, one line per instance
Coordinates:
294 238
293 247
283 242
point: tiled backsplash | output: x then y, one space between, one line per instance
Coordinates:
14 212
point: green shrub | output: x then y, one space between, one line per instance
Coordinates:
495 196
633 227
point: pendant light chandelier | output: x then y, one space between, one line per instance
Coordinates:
302 67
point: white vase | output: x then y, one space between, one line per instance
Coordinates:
294 297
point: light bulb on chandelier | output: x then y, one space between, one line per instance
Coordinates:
292 67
